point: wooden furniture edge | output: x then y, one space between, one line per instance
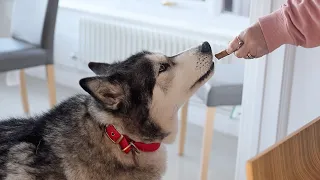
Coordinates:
249 168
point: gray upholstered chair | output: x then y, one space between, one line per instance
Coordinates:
223 89
31 43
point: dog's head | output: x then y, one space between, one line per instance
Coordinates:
146 90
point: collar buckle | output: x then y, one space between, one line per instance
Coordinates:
126 144
135 148
118 140
131 144
115 141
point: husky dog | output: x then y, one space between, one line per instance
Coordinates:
116 130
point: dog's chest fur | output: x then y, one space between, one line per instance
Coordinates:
70 145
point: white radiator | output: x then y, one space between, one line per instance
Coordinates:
109 41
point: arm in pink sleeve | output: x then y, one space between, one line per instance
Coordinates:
296 23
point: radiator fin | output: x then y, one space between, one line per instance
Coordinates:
109 41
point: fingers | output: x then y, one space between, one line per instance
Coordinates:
254 44
233 46
242 52
240 48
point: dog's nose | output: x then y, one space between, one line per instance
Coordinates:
205 47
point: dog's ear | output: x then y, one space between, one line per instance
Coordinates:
98 68
110 94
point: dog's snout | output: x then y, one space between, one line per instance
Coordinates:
205 47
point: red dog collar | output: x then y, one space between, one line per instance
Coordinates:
126 144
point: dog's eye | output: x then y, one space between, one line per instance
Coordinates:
163 67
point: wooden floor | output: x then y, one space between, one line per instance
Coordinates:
297 157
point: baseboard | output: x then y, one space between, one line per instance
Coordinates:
69 77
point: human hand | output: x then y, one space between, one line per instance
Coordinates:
249 44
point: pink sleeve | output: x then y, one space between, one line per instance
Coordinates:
296 23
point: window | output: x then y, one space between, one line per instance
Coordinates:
236 7
228 5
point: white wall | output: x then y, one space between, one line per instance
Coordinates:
5 14
66 41
304 106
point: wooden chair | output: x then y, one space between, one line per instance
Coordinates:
31 43
224 89
297 157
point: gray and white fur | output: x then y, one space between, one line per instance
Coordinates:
140 96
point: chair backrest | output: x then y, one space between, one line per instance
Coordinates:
33 21
296 157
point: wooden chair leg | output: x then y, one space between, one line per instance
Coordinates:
23 92
51 85
207 143
183 128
